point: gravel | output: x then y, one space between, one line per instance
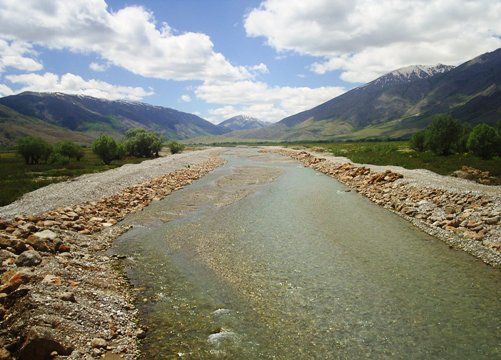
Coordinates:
419 177
90 187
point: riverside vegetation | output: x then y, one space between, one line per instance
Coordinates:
34 163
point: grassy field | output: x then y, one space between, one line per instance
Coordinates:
399 153
17 178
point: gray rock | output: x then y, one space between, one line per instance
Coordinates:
46 234
40 342
98 343
29 258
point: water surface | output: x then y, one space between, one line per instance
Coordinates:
266 259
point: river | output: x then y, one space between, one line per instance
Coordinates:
266 259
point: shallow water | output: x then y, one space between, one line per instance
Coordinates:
264 258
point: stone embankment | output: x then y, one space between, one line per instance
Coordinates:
467 220
60 293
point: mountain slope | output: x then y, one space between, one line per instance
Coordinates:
92 115
242 122
14 125
399 103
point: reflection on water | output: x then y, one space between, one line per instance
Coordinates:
265 259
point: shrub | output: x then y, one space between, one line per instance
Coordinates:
484 141
175 147
418 140
443 134
58 159
33 149
69 149
105 147
121 151
462 143
142 143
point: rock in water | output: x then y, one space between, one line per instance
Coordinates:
29 258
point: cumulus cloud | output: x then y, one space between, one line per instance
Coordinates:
17 55
98 67
365 39
74 84
258 99
5 90
129 38
185 98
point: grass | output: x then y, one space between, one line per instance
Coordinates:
17 178
399 153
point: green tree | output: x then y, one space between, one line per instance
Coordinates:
69 149
33 149
175 147
484 141
417 141
106 148
142 143
443 134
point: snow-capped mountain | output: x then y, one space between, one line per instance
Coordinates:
242 122
411 73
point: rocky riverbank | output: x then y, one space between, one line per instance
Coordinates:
464 219
60 293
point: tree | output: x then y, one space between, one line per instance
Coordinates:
443 134
484 141
417 141
105 147
175 147
142 143
33 149
69 149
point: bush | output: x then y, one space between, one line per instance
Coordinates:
175 147
33 149
142 143
58 159
443 135
121 151
106 148
69 149
484 141
418 140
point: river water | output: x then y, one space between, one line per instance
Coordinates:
266 259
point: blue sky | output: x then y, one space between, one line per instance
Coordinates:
267 59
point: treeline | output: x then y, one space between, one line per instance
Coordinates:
445 135
136 143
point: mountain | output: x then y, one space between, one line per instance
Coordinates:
14 125
92 116
399 103
242 122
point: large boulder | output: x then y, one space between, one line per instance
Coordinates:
29 258
40 342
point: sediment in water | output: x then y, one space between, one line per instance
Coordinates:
465 220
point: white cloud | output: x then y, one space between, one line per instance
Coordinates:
260 68
365 39
5 90
129 38
17 55
98 67
257 99
185 98
74 84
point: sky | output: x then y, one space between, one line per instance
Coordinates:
220 58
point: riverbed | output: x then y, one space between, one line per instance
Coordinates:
264 258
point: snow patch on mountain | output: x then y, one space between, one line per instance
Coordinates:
411 73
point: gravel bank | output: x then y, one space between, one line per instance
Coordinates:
60 294
91 187
463 214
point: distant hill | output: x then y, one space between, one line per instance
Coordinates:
399 103
91 116
14 125
242 122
